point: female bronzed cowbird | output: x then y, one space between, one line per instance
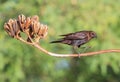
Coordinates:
77 39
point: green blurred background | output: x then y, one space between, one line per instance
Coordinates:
23 63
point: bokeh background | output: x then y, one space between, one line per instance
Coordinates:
23 63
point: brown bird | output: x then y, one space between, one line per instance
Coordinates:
77 39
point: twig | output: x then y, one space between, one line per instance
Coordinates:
70 55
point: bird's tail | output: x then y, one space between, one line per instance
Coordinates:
58 41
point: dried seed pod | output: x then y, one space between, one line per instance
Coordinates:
16 28
27 23
8 28
31 31
42 32
12 28
39 31
35 26
21 22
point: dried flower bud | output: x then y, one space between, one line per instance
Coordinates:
35 26
16 28
27 23
12 28
42 32
8 28
21 22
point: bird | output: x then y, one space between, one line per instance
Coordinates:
76 39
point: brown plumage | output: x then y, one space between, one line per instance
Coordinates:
77 39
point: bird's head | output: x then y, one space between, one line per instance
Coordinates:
93 34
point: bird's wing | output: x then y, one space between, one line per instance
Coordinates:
75 36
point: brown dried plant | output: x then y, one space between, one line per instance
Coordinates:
36 31
28 25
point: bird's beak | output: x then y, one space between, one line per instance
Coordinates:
95 36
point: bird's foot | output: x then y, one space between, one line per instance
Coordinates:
76 51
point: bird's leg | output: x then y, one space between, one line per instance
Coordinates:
85 48
76 51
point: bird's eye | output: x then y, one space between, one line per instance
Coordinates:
92 34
